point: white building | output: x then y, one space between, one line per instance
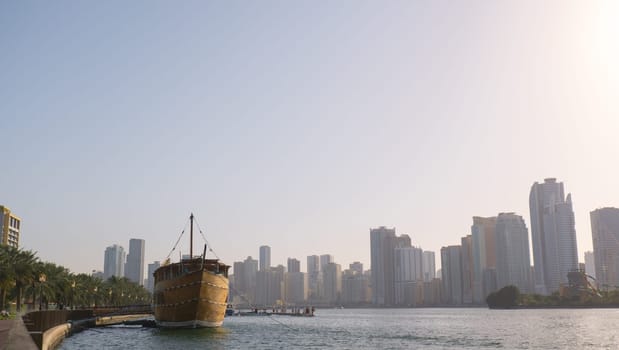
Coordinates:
512 248
590 264
408 265
553 233
605 232
114 261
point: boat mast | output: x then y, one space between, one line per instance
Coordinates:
191 236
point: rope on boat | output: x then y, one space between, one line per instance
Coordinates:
210 249
178 240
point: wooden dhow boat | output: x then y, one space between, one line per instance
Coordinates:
191 293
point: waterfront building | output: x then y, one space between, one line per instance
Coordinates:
428 265
408 267
332 279
150 279
114 261
270 286
10 225
553 235
452 274
134 269
605 234
265 257
355 286
296 288
294 265
484 255
432 292
512 248
245 280
466 263
379 262
313 277
590 263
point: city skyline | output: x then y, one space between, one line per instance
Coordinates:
299 126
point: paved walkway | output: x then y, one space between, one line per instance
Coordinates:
14 335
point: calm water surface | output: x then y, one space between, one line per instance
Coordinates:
378 329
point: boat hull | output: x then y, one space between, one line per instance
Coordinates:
193 299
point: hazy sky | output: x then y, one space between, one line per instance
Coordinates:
299 125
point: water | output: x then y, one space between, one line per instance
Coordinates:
458 328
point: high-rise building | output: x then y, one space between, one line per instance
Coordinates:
605 232
114 261
10 225
429 266
270 286
245 280
313 277
357 267
553 234
383 242
355 286
150 278
265 257
294 265
325 259
408 265
590 264
332 278
134 269
296 288
484 255
379 262
512 248
452 274
466 260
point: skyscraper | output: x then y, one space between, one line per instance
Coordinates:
265 257
512 248
383 242
150 279
590 263
408 265
134 270
452 274
484 255
378 262
114 261
605 232
553 233
294 265
466 260
429 266
332 277
10 226
245 279
313 277
325 259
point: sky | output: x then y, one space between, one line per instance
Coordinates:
299 125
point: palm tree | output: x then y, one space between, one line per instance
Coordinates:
24 268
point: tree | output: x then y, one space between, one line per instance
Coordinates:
505 298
